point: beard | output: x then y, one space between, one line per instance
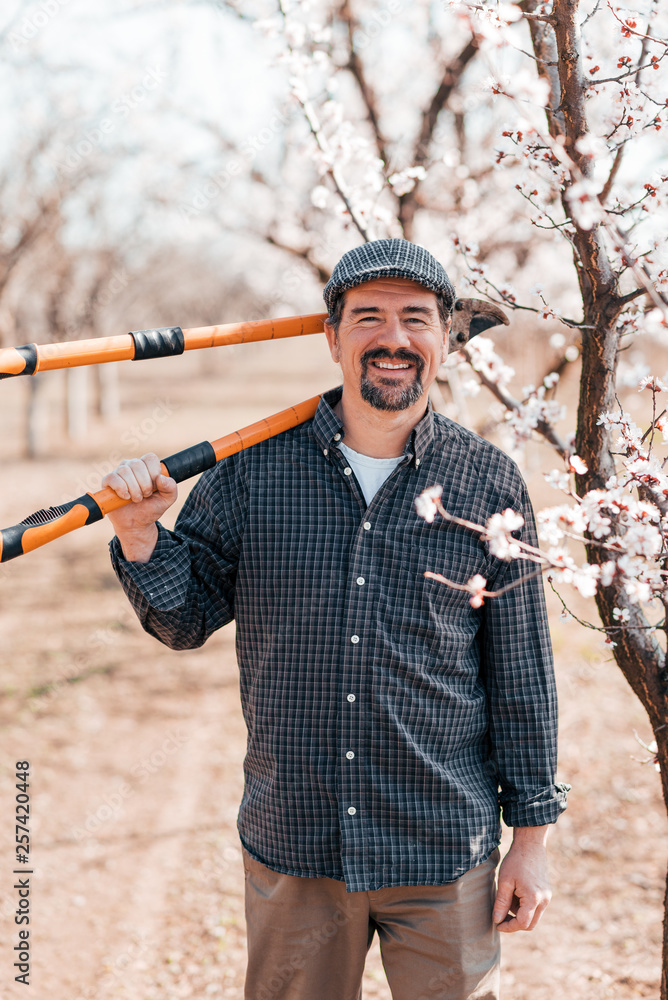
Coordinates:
385 393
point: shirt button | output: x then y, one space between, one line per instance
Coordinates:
367 525
350 697
351 810
347 471
354 639
360 581
350 754
417 462
337 437
325 451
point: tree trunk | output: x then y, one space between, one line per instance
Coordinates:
77 403
637 653
36 423
664 964
108 401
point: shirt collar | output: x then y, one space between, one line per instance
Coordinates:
327 425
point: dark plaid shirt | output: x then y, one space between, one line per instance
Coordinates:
387 719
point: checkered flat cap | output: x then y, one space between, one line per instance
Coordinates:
388 259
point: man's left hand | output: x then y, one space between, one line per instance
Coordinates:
524 881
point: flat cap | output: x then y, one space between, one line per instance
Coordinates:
388 259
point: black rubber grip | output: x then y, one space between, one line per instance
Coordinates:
11 542
29 352
12 538
164 342
190 461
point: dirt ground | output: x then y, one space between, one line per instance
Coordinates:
136 751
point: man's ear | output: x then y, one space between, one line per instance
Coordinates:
332 341
472 316
445 346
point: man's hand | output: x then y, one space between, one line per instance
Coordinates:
139 480
524 882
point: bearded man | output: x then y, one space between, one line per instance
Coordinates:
390 723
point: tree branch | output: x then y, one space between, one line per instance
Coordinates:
408 203
603 197
542 39
356 68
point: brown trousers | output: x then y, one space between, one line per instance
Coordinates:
308 937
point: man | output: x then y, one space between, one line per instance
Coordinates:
388 720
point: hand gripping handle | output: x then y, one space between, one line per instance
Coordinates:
45 525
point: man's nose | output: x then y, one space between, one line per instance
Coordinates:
393 334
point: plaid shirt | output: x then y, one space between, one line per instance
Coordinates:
387 719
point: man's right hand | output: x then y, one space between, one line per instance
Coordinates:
139 480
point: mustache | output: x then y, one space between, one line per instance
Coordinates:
402 354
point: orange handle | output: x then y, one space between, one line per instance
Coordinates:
247 333
159 343
45 525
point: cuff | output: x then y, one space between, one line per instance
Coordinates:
535 810
163 580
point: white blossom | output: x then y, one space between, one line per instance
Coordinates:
654 324
404 180
593 147
559 480
470 387
319 196
637 591
477 585
575 464
586 209
483 358
426 505
653 383
497 532
534 411
585 579
643 540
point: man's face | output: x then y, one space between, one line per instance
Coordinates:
390 342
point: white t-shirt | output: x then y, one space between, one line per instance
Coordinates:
371 473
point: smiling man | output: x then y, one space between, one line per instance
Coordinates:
389 722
